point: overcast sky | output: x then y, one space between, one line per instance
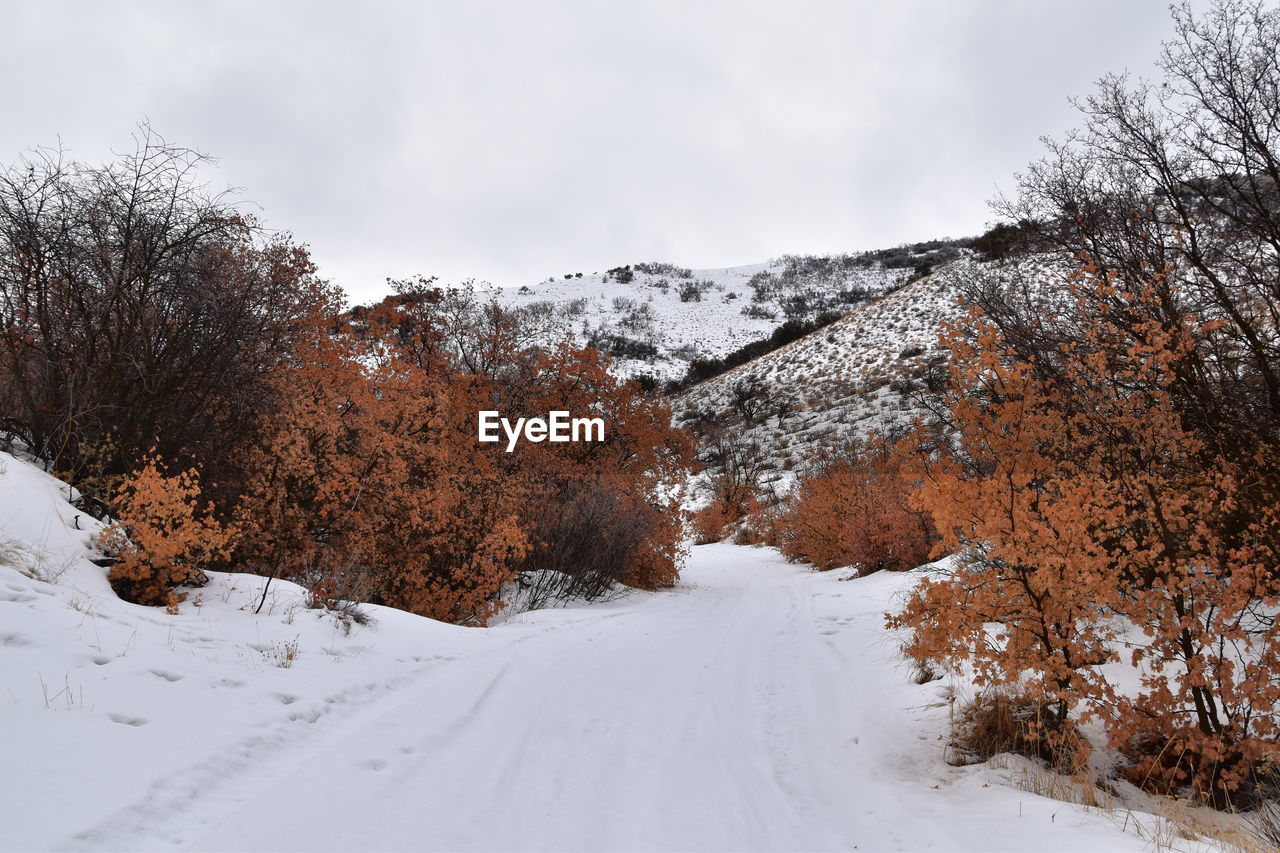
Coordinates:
509 141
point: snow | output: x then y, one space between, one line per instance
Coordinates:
756 706
711 327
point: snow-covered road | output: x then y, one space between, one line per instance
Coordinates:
756 707
714 717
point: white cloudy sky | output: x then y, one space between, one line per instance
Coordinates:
509 141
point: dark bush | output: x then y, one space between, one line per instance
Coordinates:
656 268
623 275
587 533
705 368
620 346
138 309
1001 241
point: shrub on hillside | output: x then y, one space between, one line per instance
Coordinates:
664 269
1002 241
732 480
623 275
162 537
621 346
855 508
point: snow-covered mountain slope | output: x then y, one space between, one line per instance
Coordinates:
851 378
655 318
834 383
756 706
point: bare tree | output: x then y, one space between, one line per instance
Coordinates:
733 474
137 307
1174 187
750 399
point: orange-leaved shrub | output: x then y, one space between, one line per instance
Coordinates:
369 465
162 536
343 444
637 541
855 507
715 521
1094 522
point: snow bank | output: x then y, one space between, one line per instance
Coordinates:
105 704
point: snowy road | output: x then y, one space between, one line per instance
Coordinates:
756 707
716 717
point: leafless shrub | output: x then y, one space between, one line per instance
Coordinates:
586 534
137 308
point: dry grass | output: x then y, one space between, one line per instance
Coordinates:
1080 788
281 654
1003 731
31 562
998 722
1166 824
1264 824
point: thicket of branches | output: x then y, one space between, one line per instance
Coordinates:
148 327
138 309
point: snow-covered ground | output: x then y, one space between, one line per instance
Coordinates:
757 706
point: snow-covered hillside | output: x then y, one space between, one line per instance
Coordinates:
836 382
655 318
756 706
847 379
